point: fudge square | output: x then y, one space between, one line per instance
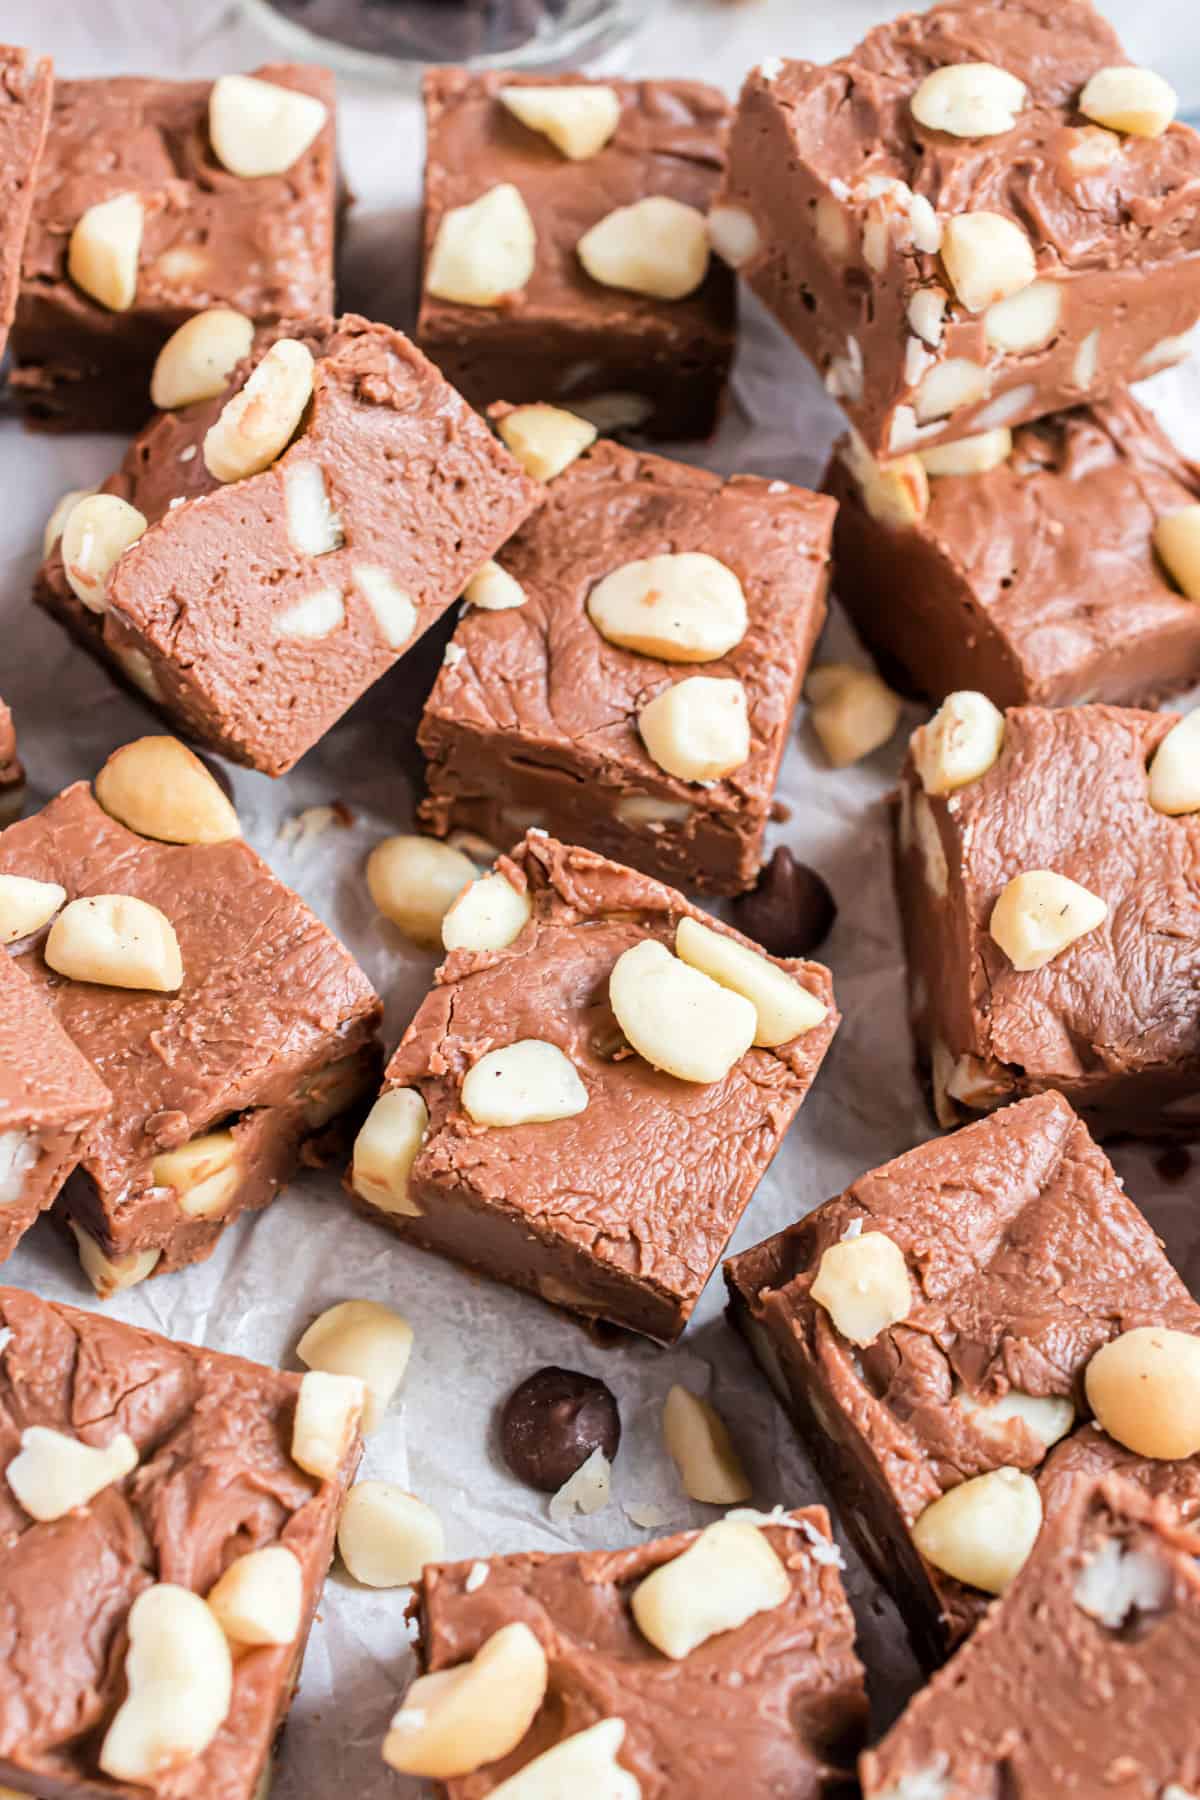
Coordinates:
1022 565
1082 1682
182 1465
882 208
578 1110
25 93
992 1265
261 557
228 1052
1050 913
140 222
566 255
767 1699
641 583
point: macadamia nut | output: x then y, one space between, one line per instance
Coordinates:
483 251
578 119
328 1415
260 128
97 533
158 788
456 1720
702 1450
196 361
62 512
1025 321
393 607
258 423
111 1275
545 439
988 257
982 1531
53 1473
683 607
1177 541
179 1680
414 880
969 455
386 1149
896 493
526 1083
784 1008
493 589
362 1338
1047 1417
677 1017
960 743
657 246
1131 100
26 905
103 252
116 940
734 235
205 1173
1175 768
854 713
1040 914
698 729
387 1536
490 914
1144 1388
728 1575
260 1597
583 1764
969 100
862 1282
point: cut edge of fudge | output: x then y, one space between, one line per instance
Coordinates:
26 92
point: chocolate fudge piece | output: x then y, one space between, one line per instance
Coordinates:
12 775
263 245
1035 581
620 1211
214 1480
1023 1256
654 363
25 92
1113 1019
50 1101
1081 1681
254 612
947 284
774 1706
535 717
216 1087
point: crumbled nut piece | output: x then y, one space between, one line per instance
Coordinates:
26 905
728 1575
702 1450
483 251
959 744
783 1007
1119 1582
657 246
526 1083
1131 100
832 226
969 100
545 439
196 361
97 532
493 589
928 840
118 941
414 880
578 120
1025 321
1086 366
1175 769
179 1676
258 423
987 257
734 235
259 128
853 712
386 1149
677 1017
387 1536
1144 1388
589 1489
698 729
328 1415
314 527
845 376
1039 914
490 914
363 1338
896 493
313 616
970 455
158 788
102 256
981 1531
111 1275
1093 149
949 387
1177 541
684 607
456 1720
926 314
138 669
585 1763
205 1174
1167 352
862 1282
1006 407
394 609
53 1473
62 512
644 809
1047 1417
260 1597
19 1151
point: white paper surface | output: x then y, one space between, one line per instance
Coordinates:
474 1341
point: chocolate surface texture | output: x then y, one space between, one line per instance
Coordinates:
12 775
25 96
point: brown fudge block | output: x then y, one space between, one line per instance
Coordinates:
50 1100
262 245
214 1481
12 775
271 1034
534 718
1080 1683
622 1211
25 95
1035 582
774 1706
656 364
850 199
211 612
1113 1020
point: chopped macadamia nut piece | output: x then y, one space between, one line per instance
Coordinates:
862 1282
698 729
578 119
160 789
1040 914
363 1338
949 386
982 1531
1177 540
314 616
702 1450
414 880
483 251
1131 100
111 1275
394 609
683 607
583 1764
328 1415
657 246
969 100
545 439
62 512
97 532
52 1473
970 455
257 425
960 743
728 1575
493 589
1175 768
526 1083
854 713
387 1536
118 941
260 1598
205 1173
196 361
1025 321
1119 1580
677 1017
896 493
454 1721
987 257
489 915
26 905
102 256
784 1008
1144 1388
179 1675
386 1149
259 128
734 235
314 527
1047 1417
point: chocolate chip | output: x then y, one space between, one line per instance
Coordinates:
790 912
552 1423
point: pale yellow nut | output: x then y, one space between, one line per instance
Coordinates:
1177 541
1047 1417
615 412
158 788
926 314
205 1174
853 715
138 669
896 493
982 1531
657 246
102 256
1040 914
579 119
314 528
545 439
702 1450
1144 1388
1131 100
328 1415
457 1720
1167 352
490 914
26 905
730 1574
862 1282
493 589
784 1009
949 387
928 840
260 1597
414 880
53 1473
258 423
1120 1578
699 729
363 1338
387 1536
682 607
679 1019
259 128
1086 365
312 617
118 941
960 743
969 100
179 1680
394 608
585 1763
19 1152
483 251
112 1274
970 455
1093 149
1025 321
62 512
97 533
988 257
1175 768
196 361
589 1489
734 235
647 811
526 1083
386 1149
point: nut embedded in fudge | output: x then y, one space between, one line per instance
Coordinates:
184 231
25 97
930 1332
262 557
99 1550
640 582
12 775
521 1133
883 206
611 301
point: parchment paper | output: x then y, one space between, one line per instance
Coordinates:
474 1340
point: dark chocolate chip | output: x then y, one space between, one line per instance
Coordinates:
790 912
552 1423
